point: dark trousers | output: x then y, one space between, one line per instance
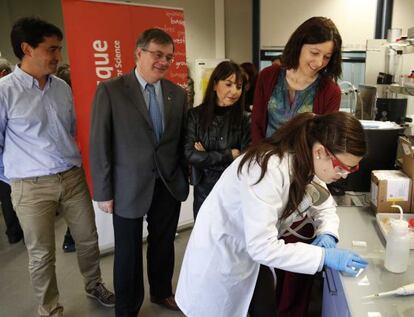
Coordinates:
292 295
162 219
13 228
201 192
203 188
263 303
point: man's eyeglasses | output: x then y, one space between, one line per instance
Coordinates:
157 55
339 167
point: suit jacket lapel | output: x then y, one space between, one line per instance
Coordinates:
167 95
135 94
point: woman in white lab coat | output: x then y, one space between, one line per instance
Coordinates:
238 226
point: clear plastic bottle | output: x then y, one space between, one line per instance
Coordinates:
398 67
397 250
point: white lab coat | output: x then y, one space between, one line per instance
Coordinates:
236 231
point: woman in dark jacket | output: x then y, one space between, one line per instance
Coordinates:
217 131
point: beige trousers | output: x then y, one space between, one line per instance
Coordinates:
36 201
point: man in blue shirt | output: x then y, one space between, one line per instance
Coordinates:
42 161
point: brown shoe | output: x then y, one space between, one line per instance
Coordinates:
168 302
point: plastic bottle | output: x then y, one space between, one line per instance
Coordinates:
397 250
398 67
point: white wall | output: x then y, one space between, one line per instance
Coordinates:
238 25
403 15
11 10
199 15
355 19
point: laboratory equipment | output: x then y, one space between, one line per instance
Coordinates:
349 97
397 249
391 109
366 102
382 142
384 224
402 291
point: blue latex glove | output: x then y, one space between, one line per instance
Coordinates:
325 241
344 260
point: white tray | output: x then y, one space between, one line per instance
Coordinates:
383 220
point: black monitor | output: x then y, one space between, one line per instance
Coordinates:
391 109
382 151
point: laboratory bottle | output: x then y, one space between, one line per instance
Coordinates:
397 249
398 67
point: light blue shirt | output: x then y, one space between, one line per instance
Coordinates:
158 92
37 127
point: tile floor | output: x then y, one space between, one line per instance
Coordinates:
16 296
17 299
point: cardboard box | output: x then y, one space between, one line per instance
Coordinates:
389 188
407 156
406 147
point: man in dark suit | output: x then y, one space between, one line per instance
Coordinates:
138 169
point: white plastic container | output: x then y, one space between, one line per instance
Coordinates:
397 250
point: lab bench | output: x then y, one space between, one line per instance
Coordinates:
344 296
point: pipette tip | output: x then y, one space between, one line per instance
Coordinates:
371 296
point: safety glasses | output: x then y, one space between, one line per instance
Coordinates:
339 167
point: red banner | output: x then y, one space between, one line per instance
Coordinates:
101 38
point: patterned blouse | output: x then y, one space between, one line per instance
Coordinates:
280 110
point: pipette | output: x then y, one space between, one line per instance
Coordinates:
402 291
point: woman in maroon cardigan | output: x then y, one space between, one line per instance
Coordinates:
304 82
